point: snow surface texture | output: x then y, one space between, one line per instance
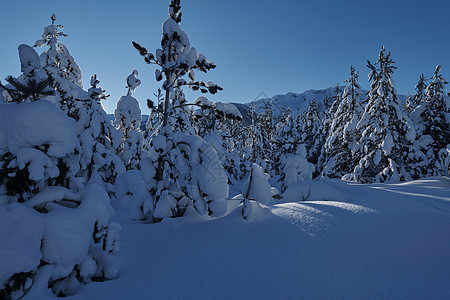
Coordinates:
389 241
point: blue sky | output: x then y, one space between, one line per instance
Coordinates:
272 47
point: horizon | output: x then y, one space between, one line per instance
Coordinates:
247 50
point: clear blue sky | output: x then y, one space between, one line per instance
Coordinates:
273 47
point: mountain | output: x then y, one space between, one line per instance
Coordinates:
297 102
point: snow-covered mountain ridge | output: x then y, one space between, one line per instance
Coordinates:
299 102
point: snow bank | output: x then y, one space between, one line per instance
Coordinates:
312 191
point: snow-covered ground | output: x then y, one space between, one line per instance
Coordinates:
384 241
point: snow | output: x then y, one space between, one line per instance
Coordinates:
40 164
62 238
19 241
387 241
29 59
127 112
203 102
132 81
312 191
44 124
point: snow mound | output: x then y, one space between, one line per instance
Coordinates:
312 191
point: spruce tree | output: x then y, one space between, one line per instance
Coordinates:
433 129
186 172
420 95
33 84
128 119
98 137
385 133
326 124
340 145
408 106
64 223
313 133
176 58
266 125
286 138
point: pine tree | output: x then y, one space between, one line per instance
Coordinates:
290 159
57 60
266 125
187 174
255 191
176 58
67 225
340 143
420 95
32 90
286 138
384 132
433 129
33 83
313 132
326 124
128 119
98 137
408 106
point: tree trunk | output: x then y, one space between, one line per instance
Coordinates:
166 107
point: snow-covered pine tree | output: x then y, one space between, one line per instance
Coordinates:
433 128
290 160
266 124
255 191
385 133
176 58
286 137
218 124
33 83
255 151
420 95
60 235
128 120
313 134
413 101
180 114
60 65
183 173
340 143
326 124
98 137
295 168
408 106
155 116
